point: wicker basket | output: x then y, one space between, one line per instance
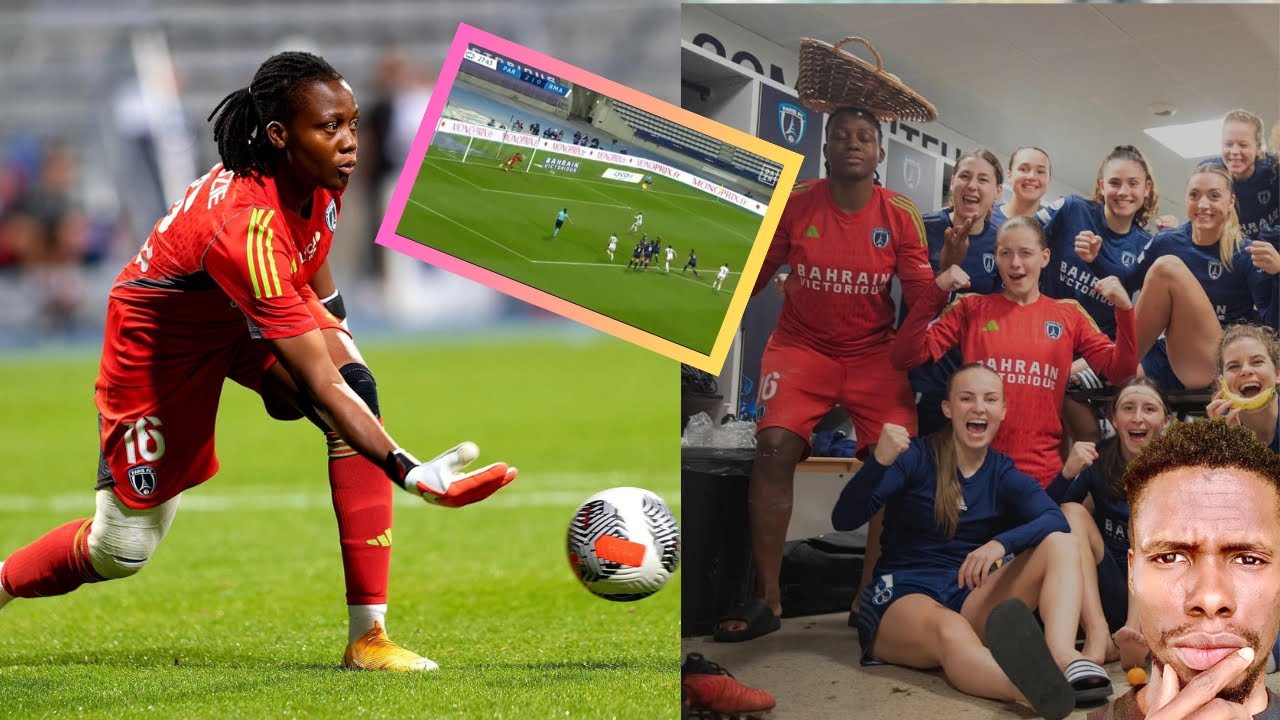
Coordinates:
831 78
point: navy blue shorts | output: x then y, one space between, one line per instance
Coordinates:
1113 589
890 587
1155 365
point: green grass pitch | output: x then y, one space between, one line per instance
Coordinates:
502 221
240 614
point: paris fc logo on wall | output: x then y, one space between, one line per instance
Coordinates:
791 121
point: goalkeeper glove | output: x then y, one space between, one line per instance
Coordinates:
440 481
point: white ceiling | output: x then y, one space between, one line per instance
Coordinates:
1074 79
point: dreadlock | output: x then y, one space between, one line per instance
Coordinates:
241 127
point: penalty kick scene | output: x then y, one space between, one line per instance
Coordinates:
592 194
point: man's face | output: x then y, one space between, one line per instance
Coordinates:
1205 570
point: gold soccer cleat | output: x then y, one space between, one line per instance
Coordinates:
374 651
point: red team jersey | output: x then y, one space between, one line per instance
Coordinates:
838 299
226 268
1031 347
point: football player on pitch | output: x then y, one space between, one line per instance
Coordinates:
226 287
511 161
720 276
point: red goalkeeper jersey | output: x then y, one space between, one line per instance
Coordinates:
838 299
1031 347
227 262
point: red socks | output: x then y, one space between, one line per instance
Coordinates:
55 564
362 497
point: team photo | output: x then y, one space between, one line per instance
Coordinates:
1006 306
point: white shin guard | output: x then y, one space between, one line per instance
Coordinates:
122 539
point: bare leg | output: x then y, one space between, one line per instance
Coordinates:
1174 303
1132 643
918 632
1080 423
1097 637
769 497
1047 577
874 528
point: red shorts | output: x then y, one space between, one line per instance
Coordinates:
799 386
156 439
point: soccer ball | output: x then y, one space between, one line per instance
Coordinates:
624 544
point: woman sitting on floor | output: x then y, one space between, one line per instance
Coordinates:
1139 413
956 511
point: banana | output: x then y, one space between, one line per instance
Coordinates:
1240 403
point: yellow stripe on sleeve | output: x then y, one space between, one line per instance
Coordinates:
905 204
271 258
1076 304
248 251
259 252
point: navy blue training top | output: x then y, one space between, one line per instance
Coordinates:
999 503
1111 515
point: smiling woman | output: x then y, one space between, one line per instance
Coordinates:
956 513
1025 335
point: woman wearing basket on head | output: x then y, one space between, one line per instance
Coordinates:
844 238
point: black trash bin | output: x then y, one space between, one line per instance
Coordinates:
716 568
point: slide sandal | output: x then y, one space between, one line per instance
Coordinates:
1089 681
1017 643
759 619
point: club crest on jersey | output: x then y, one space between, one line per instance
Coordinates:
988 262
883 591
143 479
880 237
1053 330
792 122
331 215
1128 258
1264 197
1215 269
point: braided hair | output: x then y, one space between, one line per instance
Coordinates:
241 127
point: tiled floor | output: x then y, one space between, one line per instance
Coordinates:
811 667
